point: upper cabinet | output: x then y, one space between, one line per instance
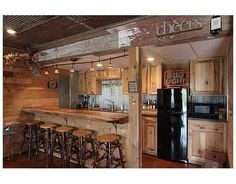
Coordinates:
88 83
145 79
155 78
206 77
125 79
151 79
82 83
114 73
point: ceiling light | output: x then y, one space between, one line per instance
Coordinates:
99 65
110 65
11 31
92 68
150 59
56 70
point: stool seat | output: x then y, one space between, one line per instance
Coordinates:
108 138
63 129
48 126
82 133
31 122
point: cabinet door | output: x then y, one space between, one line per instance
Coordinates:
207 77
196 146
125 79
82 87
89 81
114 73
155 76
100 74
144 79
150 135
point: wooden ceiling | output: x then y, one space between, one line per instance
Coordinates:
33 32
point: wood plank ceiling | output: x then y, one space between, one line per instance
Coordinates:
35 31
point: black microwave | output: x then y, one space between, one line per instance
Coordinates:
206 111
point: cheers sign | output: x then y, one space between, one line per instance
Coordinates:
175 78
177 26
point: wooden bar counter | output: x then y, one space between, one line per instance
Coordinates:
100 122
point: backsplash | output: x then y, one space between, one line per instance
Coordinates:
209 99
112 89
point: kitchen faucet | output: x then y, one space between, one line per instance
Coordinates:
112 106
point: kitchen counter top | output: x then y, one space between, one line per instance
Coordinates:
209 120
149 112
110 117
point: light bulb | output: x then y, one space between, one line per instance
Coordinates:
46 72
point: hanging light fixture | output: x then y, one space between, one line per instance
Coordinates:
72 70
110 65
92 68
99 64
56 70
46 71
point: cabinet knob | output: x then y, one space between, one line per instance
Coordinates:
206 82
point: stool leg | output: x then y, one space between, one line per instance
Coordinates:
30 143
121 156
24 140
109 161
53 142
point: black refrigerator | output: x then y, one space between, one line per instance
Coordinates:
172 139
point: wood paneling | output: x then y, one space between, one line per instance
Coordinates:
230 107
125 79
144 79
26 90
155 78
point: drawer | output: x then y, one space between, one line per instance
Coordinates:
207 126
215 156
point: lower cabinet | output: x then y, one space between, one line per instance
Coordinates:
149 135
207 141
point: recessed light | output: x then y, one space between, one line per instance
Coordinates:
99 65
150 59
11 31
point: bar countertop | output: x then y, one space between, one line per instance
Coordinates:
110 117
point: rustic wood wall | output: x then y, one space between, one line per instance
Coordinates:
230 108
23 89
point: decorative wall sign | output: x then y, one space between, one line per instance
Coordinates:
176 26
216 25
52 84
175 78
133 86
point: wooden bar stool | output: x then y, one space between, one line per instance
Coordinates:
30 135
45 139
108 144
62 141
82 140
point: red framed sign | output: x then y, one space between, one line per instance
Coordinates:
175 78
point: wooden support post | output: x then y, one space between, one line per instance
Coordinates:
134 152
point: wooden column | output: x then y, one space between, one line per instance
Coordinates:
134 152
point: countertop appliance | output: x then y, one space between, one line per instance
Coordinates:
207 111
172 124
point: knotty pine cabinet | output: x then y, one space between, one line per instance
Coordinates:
125 79
149 135
88 83
155 78
207 77
206 139
151 79
113 73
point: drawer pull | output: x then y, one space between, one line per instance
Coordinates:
201 127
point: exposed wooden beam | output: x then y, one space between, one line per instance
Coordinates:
142 33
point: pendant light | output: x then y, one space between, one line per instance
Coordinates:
99 64
92 68
46 71
56 70
110 65
72 70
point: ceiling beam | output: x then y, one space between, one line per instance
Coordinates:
142 33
